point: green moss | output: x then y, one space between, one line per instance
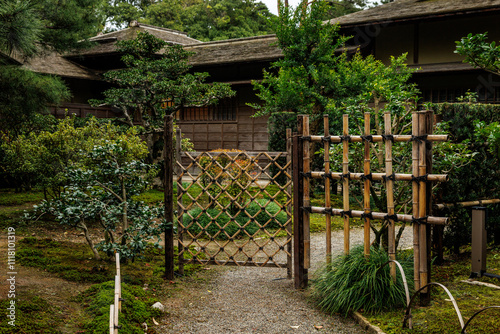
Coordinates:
33 315
11 198
136 308
440 316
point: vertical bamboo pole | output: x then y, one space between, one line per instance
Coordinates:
300 273
366 194
118 274
111 319
422 193
390 193
117 301
345 181
289 207
169 196
328 204
306 188
415 210
180 219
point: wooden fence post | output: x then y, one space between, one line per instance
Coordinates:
366 186
345 182
328 217
422 166
300 272
415 207
390 191
289 153
306 186
169 194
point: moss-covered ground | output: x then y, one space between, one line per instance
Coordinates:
440 316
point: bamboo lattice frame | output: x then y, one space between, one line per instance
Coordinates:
229 183
421 140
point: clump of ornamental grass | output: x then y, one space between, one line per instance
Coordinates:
354 283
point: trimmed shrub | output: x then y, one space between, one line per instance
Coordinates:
217 224
354 283
270 213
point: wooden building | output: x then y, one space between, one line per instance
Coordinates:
425 29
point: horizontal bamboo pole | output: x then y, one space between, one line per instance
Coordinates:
379 138
467 204
380 176
240 263
379 215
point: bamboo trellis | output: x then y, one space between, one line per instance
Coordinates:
421 139
225 183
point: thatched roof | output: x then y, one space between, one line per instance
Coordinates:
402 10
107 42
250 49
53 63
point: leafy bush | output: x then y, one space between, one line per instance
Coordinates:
217 224
227 175
136 308
356 283
467 124
270 214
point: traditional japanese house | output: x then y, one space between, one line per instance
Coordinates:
425 29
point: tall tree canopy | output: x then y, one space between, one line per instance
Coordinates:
201 19
156 82
479 52
28 28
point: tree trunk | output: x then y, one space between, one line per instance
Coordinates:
89 241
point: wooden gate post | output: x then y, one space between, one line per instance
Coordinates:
169 196
300 271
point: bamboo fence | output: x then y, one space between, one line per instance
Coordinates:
421 139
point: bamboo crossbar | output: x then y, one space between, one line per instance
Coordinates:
381 176
468 203
378 215
243 263
377 138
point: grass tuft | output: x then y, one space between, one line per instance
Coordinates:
354 283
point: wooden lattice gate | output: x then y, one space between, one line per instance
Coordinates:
234 208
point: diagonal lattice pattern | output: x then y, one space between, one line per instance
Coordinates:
234 208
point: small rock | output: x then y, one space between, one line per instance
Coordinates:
145 326
158 306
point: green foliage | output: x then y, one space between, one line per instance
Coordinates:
136 308
476 127
479 53
353 283
218 224
267 213
24 95
102 190
210 20
43 157
227 177
155 84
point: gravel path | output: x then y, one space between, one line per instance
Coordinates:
262 300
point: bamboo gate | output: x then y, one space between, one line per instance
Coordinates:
421 177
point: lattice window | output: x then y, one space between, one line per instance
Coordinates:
225 110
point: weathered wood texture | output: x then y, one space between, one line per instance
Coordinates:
244 133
